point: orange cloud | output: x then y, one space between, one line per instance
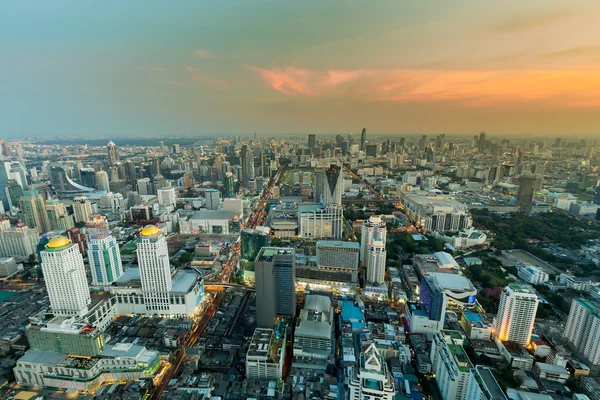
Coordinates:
203 54
470 87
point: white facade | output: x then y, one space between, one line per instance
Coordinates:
104 259
371 229
516 314
370 379
376 256
66 281
102 182
167 197
264 359
583 329
20 241
453 375
155 269
533 275
326 223
144 186
82 209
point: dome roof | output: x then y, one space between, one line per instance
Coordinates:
150 230
58 242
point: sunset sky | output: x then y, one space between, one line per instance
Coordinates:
217 67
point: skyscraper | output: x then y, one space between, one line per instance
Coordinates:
113 153
376 256
19 241
319 185
423 142
104 258
312 142
527 185
371 378
371 229
516 314
213 199
583 329
247 159
275 270
82 208
167 197
66 282
33 207
102 182
481 144
251 243
155 269
144 186
363 139
333 186
228 186
58 217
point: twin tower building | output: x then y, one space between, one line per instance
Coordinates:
152 288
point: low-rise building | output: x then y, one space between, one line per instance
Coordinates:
551 372
266 353
533 275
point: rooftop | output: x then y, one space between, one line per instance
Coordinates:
213 214
58 242
491 384
150 230
338 243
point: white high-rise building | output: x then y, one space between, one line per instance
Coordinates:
370 377
167 197
144 186
371 229
376 256
155 269
516 314
583 329
20 241
104 259
82 208
102 181
332 186
66 282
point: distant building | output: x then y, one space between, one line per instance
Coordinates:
112 153
275 270
104 259
376 258
516 314
316 222
211 221
19 241
167 197
373 228
33 207
533 275
8 267
82 208
213 199
527 185
333 186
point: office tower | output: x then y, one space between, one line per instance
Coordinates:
371 229
33 207
371 378
213 199
102 182
583 329
8 266
527 185
167 197
14 192
130 172
82 208
188 180
516 314
228 186
520 157
371 150
159 182
333 187
423 142
338 254
104 258
323 223
376 262
312 142
431 295
319 185
313 336
19 241
363 139
4 178
58 217
481 144
247 159
66 282
251 242
144 186
275 270
155 269
113 153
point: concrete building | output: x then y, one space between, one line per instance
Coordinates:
104 259
33 207
551 372
19 241
527 185
338 254
112 153
252 240
453 370
266 355
82 208
373 228
313 337
8 267
167 197
65 335
533 275
316 222
66 281
155 269
144 186
211 221
516 314
102 181
275 271
370 378
435 212
475 326
583 329
376 258
333 187
213 199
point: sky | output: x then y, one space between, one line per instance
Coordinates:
132 68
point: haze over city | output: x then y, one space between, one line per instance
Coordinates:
201 68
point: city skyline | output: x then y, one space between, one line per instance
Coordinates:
204 69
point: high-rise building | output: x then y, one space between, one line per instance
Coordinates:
167 197
313 336
516 314
102 182
266 355
228 186
66 282
371 378
82 208
113 153
373 228
144 186
527 185
247 159
583 329
33 207
19 241
4 178
58 217
275 270
338 254
8 266
376 257
104 258
321 222
319 185
213 199
14 192
363 139
333 187
481 144
371 150
251 243
423 143
96 224
155 269
312 142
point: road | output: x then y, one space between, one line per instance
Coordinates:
369 187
